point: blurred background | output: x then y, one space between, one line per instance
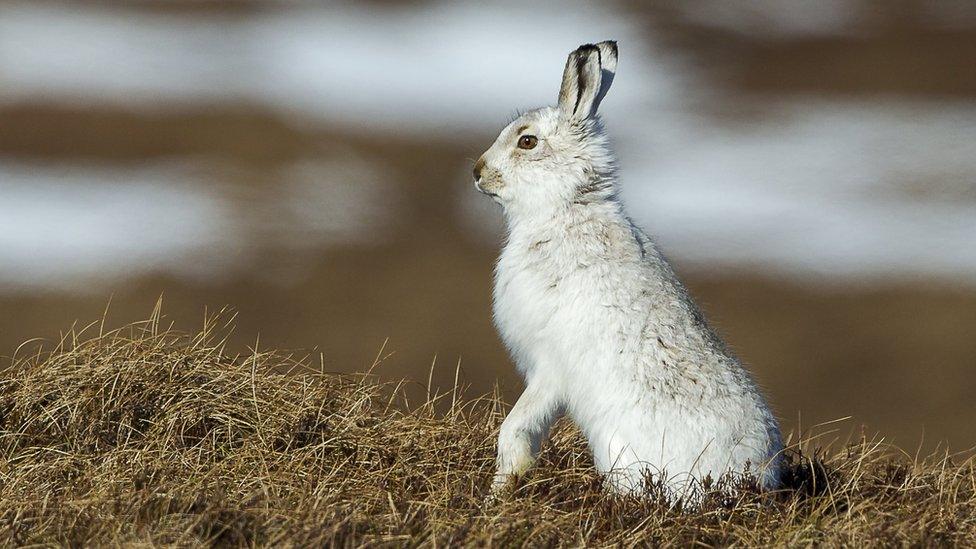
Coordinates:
809 166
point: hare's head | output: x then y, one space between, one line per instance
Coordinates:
556 156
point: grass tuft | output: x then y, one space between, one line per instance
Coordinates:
148 436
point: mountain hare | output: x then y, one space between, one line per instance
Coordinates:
595 318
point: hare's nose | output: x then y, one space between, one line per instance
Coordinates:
478 166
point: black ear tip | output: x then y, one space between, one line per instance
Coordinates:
586 49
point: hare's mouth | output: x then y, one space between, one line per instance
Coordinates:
477 185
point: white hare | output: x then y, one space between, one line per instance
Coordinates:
595 318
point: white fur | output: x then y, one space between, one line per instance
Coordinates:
596 320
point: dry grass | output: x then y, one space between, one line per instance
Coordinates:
146 436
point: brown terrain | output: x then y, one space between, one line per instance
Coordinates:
141 436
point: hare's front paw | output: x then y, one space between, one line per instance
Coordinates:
514 458
501 488
502 483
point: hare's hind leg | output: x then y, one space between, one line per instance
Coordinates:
524 430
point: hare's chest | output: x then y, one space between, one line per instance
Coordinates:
524 311
541 312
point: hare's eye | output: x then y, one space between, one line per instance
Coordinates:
528 142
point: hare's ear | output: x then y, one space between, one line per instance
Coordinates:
586 79
608 68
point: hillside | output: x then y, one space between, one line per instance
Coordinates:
147 436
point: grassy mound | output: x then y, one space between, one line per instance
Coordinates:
143 435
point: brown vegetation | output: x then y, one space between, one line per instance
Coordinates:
147 436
